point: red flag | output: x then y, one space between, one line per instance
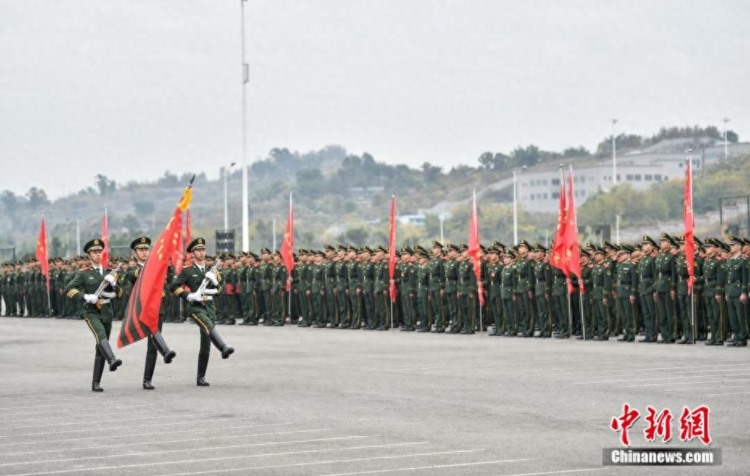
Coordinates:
142 317
392 251
474 250
105 239
287 246
689 220
558 250
188 238
572 250
41 251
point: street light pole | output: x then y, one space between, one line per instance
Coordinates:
726 148
226 208
614 154
245 79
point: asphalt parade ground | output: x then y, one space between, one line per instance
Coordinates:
295 401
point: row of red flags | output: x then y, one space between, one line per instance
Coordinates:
143 307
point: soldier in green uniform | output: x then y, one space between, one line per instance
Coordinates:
421 292
140 247
507 294
408 289
97 309
626 286
318 289
542 288
524 281
665 286
601 288
495 304
646 269
367 279
329 276
341 272
200 304
714 270
264 276
354 283
380 289
451 287
587 269
736 293
436 288
683 298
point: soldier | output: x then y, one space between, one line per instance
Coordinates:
542 287
665 287
587 269
408 288
367 274
200 304
524 281
341 291
507 295
683 298
355 288
714 270
265 276
646 270
156 342
97 309
601 284
329 275
436 288
626 286
451 287
380 289
736 293
494 270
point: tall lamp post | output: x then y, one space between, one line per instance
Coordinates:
245 79
614 154
442 218
226 209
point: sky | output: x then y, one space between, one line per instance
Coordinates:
131 89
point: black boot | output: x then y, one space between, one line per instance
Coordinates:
106 351
98 371
202 366
148 372
163 348
226 351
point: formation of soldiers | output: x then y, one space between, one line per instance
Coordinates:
626 290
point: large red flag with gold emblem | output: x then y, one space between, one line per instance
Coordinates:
474 251
41 252
689 219
558 249
287 246
572 249
142 317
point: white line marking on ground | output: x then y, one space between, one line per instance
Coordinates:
692 385
68 410
312 463
624 380
182 450
98 437
186 440
110 421
176 415
225 458
458 465
653 369
722 394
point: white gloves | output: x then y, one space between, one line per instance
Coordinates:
211 292
111 280
90 298
193 297
212 277
107 295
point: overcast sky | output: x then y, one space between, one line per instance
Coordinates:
132 88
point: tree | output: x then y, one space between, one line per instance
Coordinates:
528 156
143 208
310 183
55 247
431 172
9 200
356 236
105 185
579 151
37 197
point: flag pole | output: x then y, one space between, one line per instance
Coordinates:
692 226
46 277
479 280
291 231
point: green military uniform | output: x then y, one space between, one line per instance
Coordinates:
714 275
494 274
542 287
626 285
646 270
200 306
507 287
665 285
524 281
436 289
97 310
601 289
736 294
450 267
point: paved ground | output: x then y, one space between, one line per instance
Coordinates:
320 401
